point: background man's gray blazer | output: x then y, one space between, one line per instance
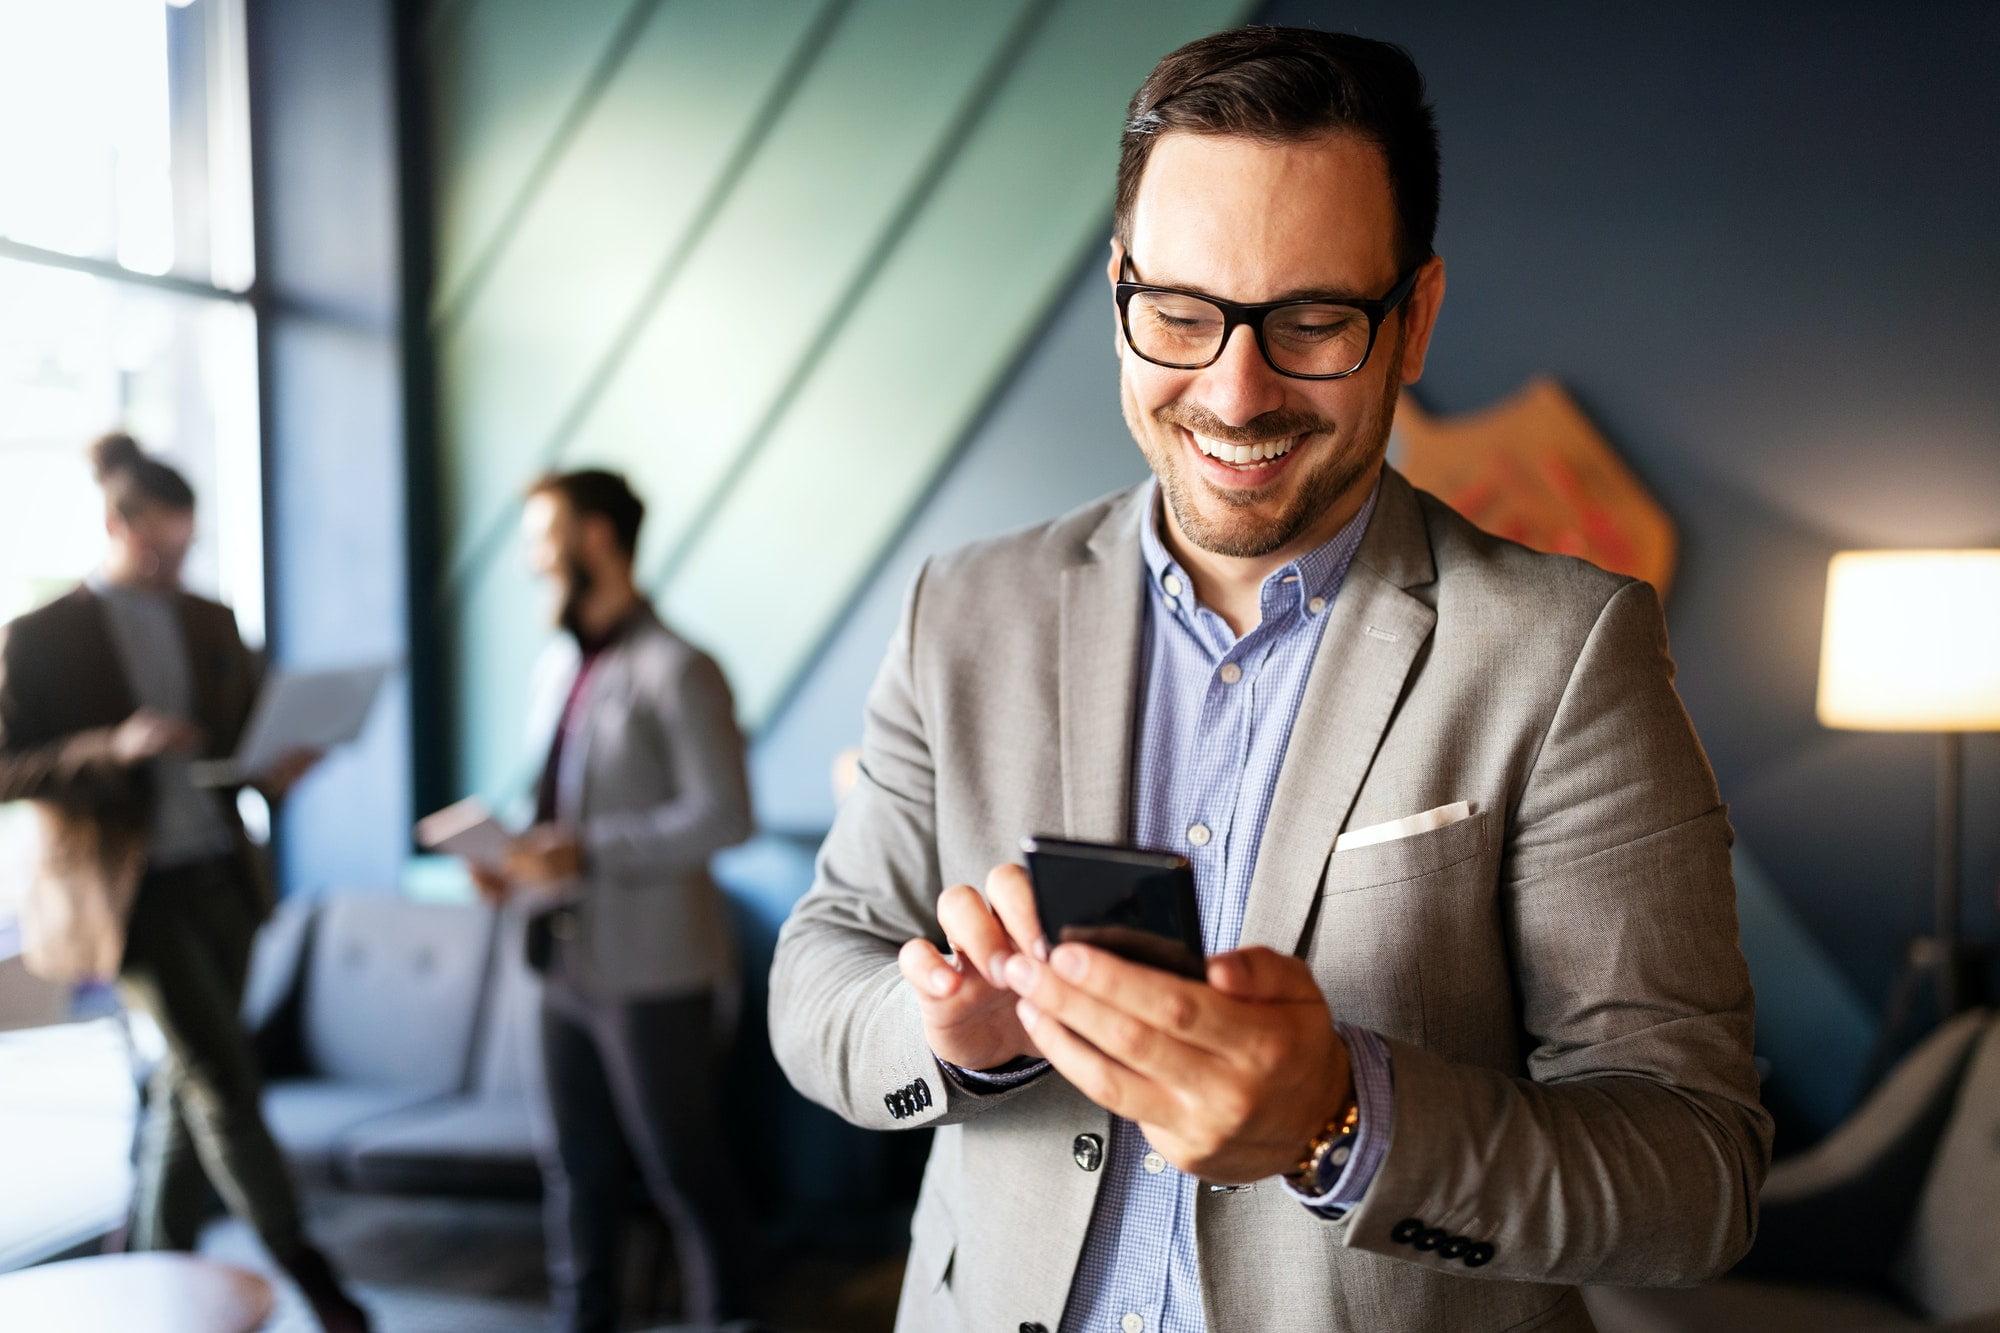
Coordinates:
1558 976
654 785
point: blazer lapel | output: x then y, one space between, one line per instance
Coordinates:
102 694
1098 671
1371 639
220 717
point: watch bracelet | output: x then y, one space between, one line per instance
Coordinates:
1340 1129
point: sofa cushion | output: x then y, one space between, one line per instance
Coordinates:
311 1117
471 1144
1952 1265
392 992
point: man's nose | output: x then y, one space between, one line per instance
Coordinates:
1240 386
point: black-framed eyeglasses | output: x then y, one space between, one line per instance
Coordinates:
1309 338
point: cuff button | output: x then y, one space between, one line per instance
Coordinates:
1406 1231
1479 1255
1431 1239
1455 1248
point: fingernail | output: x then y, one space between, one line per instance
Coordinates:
1069 964
1041 947
1020 973
997 968
941 979
1028 1013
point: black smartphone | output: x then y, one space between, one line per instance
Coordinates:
1137 904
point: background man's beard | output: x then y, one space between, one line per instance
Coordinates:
578 582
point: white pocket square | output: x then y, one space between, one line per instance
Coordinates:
1407 826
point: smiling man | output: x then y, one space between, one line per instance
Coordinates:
1475 1026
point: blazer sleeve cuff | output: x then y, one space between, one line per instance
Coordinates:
1375 1091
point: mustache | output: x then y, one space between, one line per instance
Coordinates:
1281 424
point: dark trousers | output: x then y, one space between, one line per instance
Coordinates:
187 951
632 1087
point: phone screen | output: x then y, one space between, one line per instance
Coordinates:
1134 903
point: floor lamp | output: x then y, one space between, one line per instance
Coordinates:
1912 643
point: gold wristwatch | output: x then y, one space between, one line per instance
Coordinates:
1329 1147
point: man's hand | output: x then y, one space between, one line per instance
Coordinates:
285 774
1230 1081
969 1016
544 856
492 885
148 734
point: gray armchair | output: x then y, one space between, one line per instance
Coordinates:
371 1010
1893 1222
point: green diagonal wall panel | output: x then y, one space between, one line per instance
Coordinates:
790 241
507 73
556 304
704 241
1027 194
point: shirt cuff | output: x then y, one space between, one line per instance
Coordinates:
1375 1092
1013 1074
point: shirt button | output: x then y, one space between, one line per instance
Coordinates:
1316 605
1155 1163
1231 673
1172 584
1199 835
1132 1323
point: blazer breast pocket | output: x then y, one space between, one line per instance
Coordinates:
1413 857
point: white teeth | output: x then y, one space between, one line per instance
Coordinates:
1244 453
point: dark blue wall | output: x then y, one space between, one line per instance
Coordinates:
1761 245
1763 250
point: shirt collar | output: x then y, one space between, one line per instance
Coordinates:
1316 575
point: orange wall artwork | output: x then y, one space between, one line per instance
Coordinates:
1534 470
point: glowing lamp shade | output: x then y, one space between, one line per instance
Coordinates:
1912 641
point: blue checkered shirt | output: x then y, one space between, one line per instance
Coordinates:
1215 716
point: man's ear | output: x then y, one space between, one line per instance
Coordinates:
1113 271
600 540
1420 312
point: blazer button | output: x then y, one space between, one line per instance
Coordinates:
1088 1149
1479 1255
1406 1231
1028 1326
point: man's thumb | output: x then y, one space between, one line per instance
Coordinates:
1259 973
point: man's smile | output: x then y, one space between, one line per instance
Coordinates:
1240 466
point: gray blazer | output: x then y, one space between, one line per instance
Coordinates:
654 784
1558 976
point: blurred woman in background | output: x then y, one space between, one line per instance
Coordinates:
108 695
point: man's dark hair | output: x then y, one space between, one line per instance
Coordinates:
131 478
1282 85
606 495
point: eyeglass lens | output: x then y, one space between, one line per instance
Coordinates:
1311 339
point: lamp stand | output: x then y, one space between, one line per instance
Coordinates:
1950 774
1939 954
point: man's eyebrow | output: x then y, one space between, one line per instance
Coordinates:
1342 294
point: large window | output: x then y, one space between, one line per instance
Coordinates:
125 271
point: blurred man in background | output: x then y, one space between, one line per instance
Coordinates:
107 696
642 782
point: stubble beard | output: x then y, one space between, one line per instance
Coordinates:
577 583
1325 481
